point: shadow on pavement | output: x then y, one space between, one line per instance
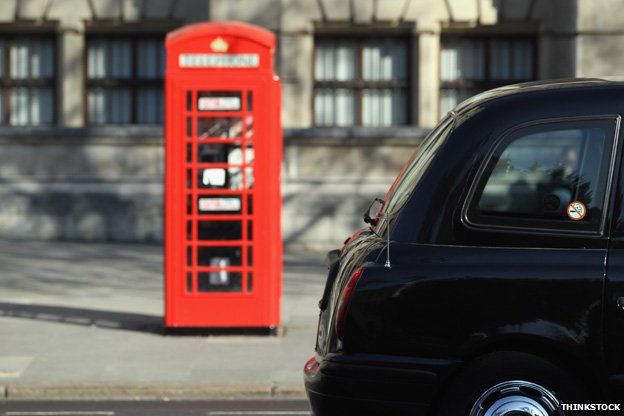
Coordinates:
84 317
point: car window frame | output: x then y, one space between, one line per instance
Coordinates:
495 148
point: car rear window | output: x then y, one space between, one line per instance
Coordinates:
406 181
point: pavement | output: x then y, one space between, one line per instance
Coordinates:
84 321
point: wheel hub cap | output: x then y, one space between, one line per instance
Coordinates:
516 398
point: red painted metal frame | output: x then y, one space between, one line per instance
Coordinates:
259 305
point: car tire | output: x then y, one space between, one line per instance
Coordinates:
506 381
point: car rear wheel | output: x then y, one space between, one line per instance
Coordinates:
511 384
516 397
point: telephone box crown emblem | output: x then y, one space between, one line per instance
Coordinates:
219 45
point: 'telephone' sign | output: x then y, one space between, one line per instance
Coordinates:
214 60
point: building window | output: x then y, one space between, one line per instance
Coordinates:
360 81
470 65
124 80
27 81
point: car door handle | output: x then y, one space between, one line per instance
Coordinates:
620 302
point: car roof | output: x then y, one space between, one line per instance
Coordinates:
527 87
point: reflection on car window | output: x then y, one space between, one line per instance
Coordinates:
538 173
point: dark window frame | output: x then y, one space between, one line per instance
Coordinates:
475 222
487 83
134 83
7 83
359 84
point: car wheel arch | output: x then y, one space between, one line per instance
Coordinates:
543 349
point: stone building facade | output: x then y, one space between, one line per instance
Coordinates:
81 153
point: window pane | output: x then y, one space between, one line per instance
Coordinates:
462 59
32 58
120 58
19 60
334 107
219 230
150 106
222 178
384 60
522 60
110 106
220 127
150 63
335 60
97 106
120 99
384 107
97 59
219 280
500 59
32 106
511 60
219 256
541 172
109 58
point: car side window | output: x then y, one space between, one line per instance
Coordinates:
552 176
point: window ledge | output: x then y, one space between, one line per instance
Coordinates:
108 134
396 135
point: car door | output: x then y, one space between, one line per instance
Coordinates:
526 264
536 218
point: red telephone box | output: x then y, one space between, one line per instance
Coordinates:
223 247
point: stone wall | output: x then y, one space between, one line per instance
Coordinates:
105 184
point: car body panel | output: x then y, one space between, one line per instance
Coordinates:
455 291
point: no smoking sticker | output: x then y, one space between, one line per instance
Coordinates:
576 210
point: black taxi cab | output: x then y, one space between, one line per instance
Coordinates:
491 278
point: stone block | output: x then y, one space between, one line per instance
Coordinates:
489 13
363 11
296 104
557 57
69 10
462 10
8 10
299 15
107 9
390 10
336 10
513 10
600 55
30 9
265 13
157 9
192 10
131 10
599 15
427 14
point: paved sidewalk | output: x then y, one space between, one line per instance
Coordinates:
84 321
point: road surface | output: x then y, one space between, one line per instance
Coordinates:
156 408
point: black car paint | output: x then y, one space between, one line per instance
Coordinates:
456 291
